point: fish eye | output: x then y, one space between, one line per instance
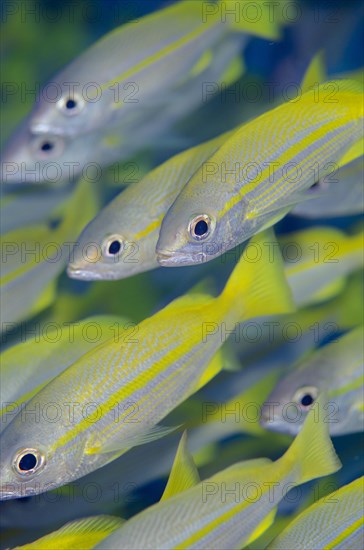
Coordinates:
306 396
28 461
200 227
71 105
47 147
113 246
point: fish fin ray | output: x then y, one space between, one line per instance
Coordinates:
119 443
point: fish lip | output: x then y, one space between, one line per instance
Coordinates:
83 275
167 258
7 495
42 128
22 493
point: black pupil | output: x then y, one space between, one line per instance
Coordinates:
307 400
27 462
47 146
70 104
201 228
114 247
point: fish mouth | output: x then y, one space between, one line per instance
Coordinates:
42 128
82 274
74 272
268 420
21 492
167 258
7 495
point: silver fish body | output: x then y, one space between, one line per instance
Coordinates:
33 158
131 69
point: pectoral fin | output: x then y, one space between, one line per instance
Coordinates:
119 443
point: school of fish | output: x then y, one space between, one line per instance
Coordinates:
218 405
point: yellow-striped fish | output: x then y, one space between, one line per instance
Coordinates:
36 158
126 231
334 522
137 66
262 172
113 397
338 369
234 506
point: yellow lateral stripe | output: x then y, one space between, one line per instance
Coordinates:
198 535
145 376
150 228
167 50
313 155
345 534
84 424
163 383
286 156
354 385
166 383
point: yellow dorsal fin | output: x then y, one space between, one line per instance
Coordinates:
355 151
315 72
184 474
312 452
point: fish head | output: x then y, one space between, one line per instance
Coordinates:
109 247
196 229
31 158
28 158
30 461
288 405
67 109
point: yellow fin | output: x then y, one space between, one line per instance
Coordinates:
262 527
184 474
83 533
356 151
259 287
205 60
312 452
214 367
234 71
315 73
265 22
47 298
329 291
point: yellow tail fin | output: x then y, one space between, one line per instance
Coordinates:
260 19
312 451
258 285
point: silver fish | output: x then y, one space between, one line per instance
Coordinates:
336 368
